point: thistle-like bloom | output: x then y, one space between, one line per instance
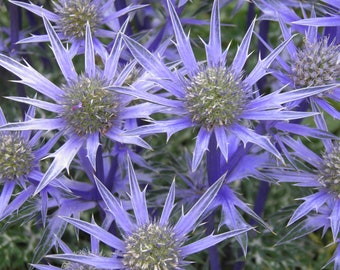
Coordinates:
315 64
71 17
322 174
86 108
320 210
146 243
19 159
219 100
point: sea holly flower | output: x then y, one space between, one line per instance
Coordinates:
146 243
85 106
315 64
71 17
19 159
321 174
219 100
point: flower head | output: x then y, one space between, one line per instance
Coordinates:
72 16
16 156
321 174
86 108
215 97
146 243
317 63
218 99
329 175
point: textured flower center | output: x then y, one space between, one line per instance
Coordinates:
329 175
89 107
152 247
74 14
316 64
215 97
16 157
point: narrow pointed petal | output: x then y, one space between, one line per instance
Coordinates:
187 221
209 241
222 141
306 227
146 59
247 135
304 92
40 11
61 54
17 202
304 130
312 202
286 35
169 126
302 151
31 77
168 206
335 219
92 144
96 261
98 232
261 68
137 197
45 267
202 142
90 66
324 21
242 52
38 103
214 49
34 39
328 108
113 59
116 208
35 124
231 216
149 97
276 115
143 110
62 159
2 118
123 138
183 42
6 194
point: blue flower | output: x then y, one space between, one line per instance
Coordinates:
19 159
321 173
315 64
86 108
217 99
71 17
146 243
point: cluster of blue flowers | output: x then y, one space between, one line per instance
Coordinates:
126 72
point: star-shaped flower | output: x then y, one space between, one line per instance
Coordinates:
219 100
147 243
86 108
